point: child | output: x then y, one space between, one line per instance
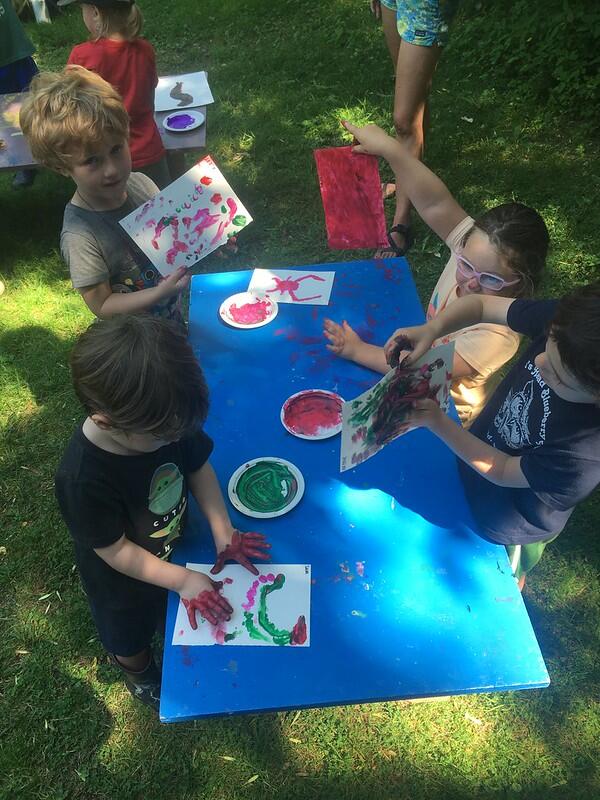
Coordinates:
17 68
76 124
502 253
122 487
534 451
118 54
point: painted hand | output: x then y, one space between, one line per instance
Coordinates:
242 548
207 601
425 414
417 341
176 282
343 339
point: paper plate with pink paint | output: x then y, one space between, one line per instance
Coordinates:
313 414
266 487
248 310
183 121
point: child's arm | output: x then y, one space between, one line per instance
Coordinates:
231 544
103 302
196 590
346 343
428 194
466 311
492 464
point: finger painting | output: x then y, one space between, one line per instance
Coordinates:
182 91
191 218
271 609
293 286
379 415
352 200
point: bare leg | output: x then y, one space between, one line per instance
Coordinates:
390 31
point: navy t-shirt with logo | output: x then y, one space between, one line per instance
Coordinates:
558 441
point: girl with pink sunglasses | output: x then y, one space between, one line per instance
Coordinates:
502 253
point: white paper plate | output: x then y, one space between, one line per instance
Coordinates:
192 118
236 320
318 432
290 469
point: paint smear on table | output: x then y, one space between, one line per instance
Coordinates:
313 413
272 609
266 486
352 201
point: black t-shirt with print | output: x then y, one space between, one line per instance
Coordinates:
558 441
103 496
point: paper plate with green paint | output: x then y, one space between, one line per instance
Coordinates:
266 487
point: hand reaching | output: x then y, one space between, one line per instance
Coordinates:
200 593
242 548
375 6
372 140
176 282
343 339
417 340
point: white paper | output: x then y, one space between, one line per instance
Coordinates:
192 84
191 218
378 416
284 608
293 286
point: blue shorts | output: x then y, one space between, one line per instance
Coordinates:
423 22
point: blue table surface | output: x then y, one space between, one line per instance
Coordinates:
437 610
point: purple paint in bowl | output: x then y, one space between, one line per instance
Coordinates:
180 121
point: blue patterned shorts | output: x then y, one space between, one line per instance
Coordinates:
423 22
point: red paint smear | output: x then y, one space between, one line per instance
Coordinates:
250 313
312 413
294 357
186 658
299 632
227 580
315 312
311 340
371 321
351 192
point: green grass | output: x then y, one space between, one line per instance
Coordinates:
282 75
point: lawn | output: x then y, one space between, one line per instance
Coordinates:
282 75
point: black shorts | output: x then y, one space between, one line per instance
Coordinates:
127 631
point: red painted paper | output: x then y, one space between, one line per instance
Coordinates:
352 200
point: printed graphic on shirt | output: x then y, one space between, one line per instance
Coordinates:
522 418
167 501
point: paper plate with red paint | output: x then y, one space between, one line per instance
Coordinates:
248 310
266 487
313 414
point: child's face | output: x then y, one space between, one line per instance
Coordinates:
101 176
559 379
484 257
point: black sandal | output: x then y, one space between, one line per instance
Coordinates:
403 230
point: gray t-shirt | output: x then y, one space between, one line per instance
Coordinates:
96 249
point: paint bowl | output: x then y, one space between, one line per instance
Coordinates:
248 310
313 414
183 121
266 487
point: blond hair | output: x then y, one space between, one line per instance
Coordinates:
127 21
70 113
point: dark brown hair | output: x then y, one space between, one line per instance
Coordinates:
142 374
576 330
520 235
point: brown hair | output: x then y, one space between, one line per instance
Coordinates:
575 328
520 235
141 372
126 20
68 113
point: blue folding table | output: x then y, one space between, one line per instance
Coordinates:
407 600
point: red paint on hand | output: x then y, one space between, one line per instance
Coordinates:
210 604
242 548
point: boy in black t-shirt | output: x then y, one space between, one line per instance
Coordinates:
122 487
534 451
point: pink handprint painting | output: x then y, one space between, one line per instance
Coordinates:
191 218
293 285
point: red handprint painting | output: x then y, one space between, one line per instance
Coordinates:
379 415
293 286
191 218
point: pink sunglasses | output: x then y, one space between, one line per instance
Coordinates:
488 280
